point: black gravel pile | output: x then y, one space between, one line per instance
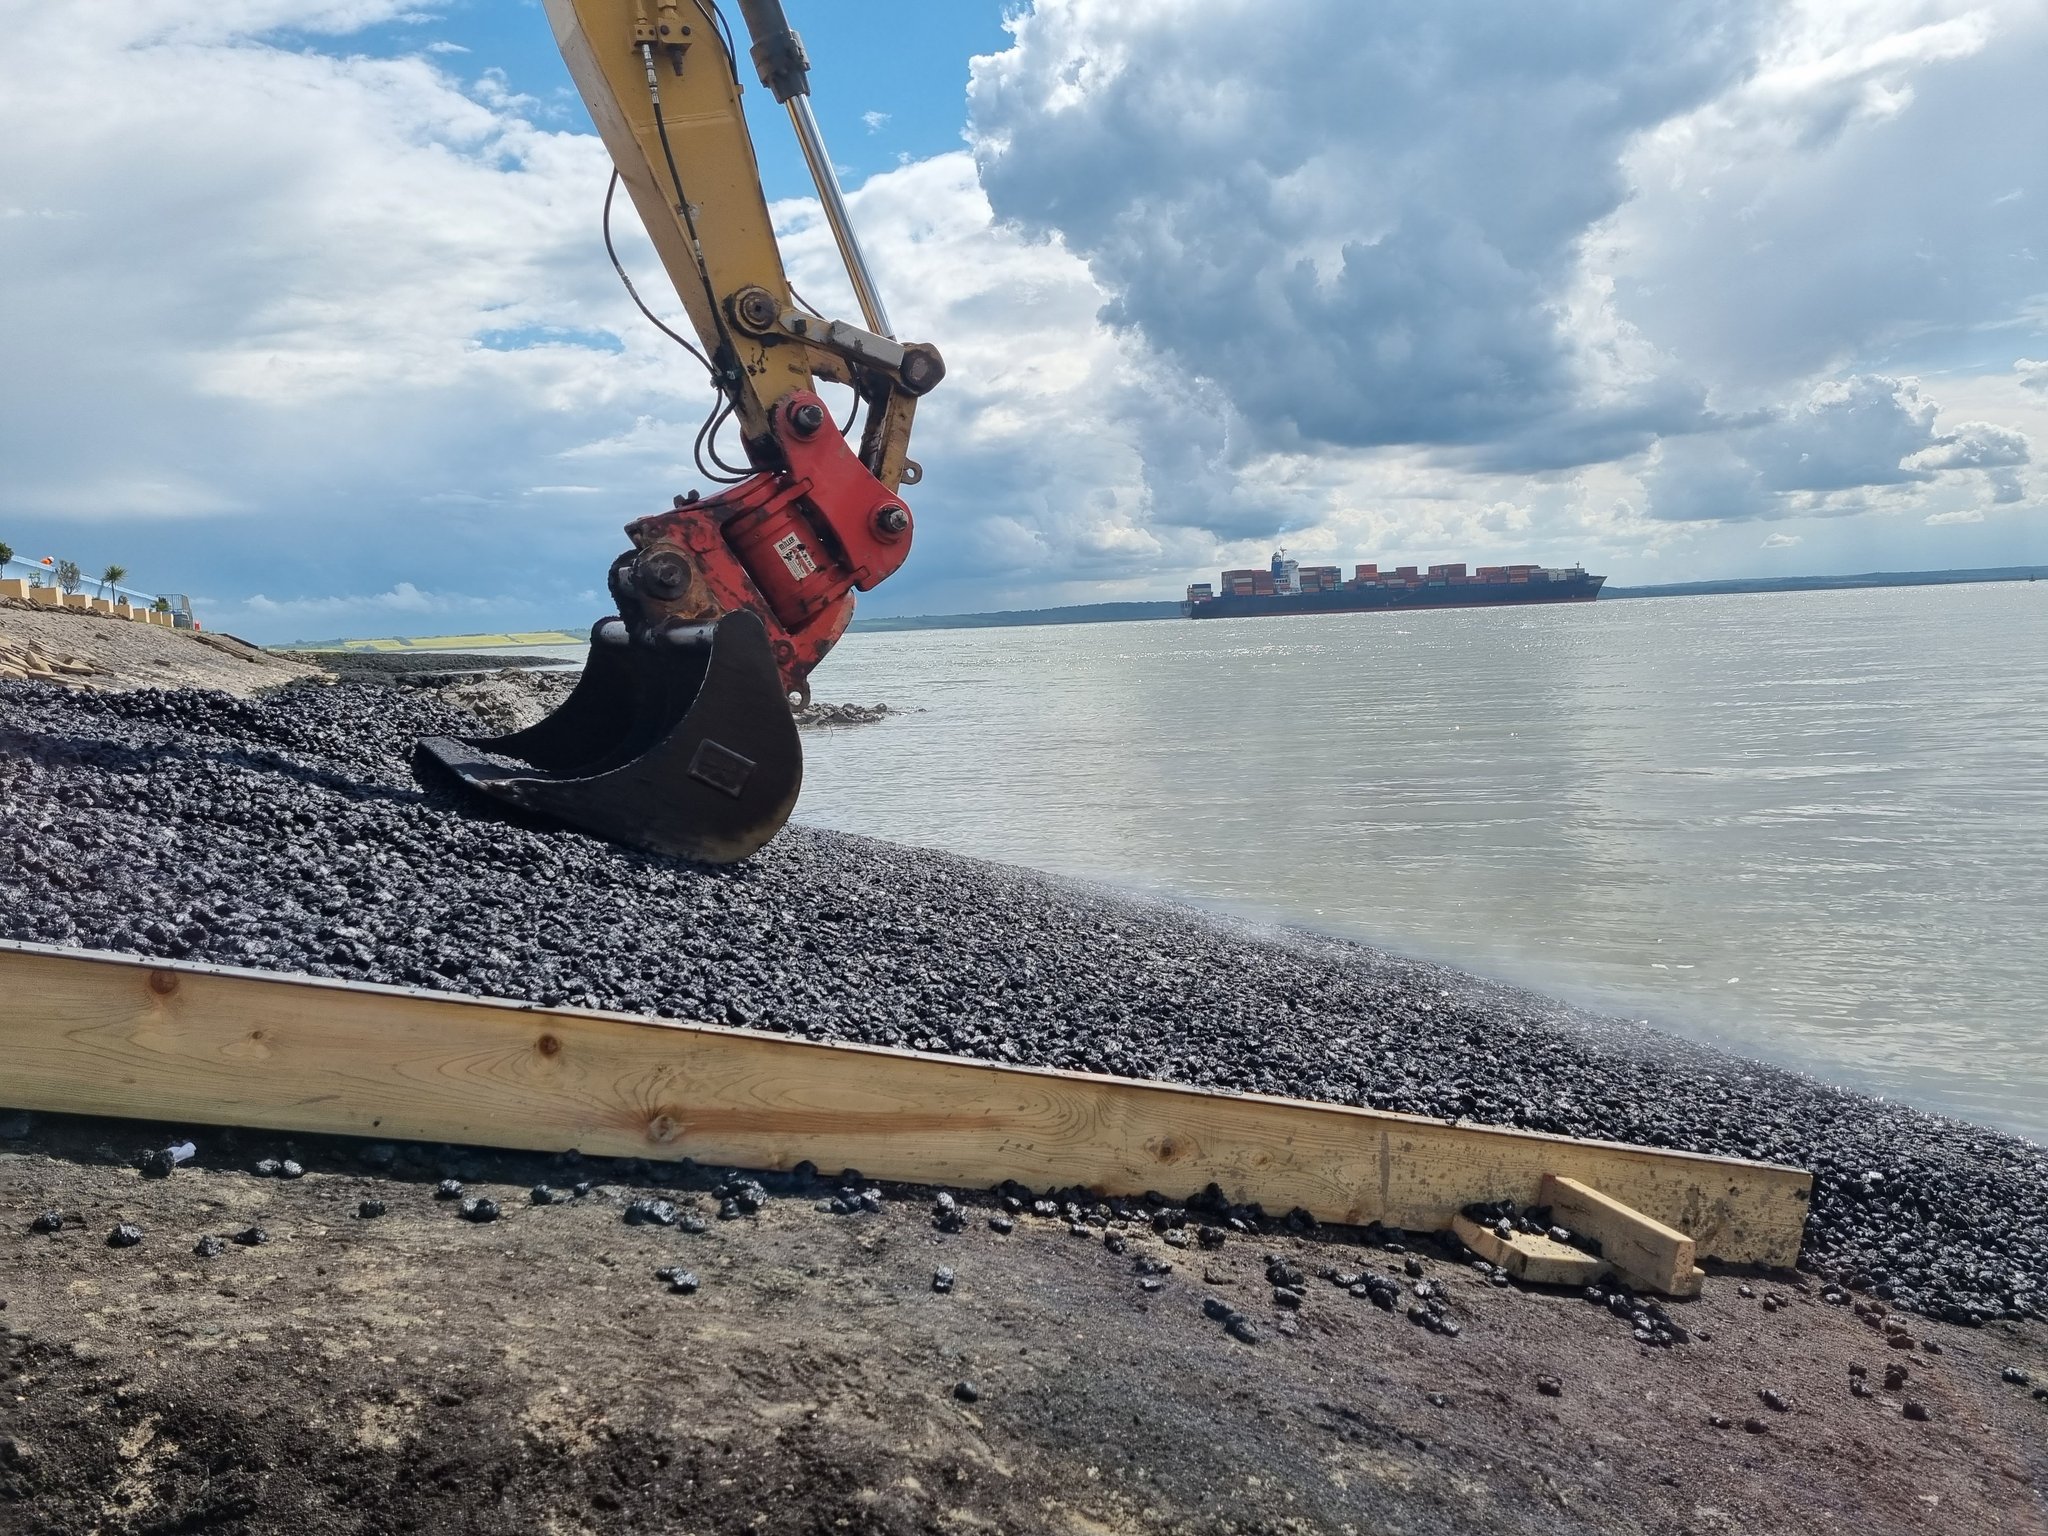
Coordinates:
289 834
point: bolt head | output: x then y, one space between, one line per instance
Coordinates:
662 575
923 368
892 519
757 309
808 418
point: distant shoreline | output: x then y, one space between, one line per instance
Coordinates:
1833 583
1116 613
1134 612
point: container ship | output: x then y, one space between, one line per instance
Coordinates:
1290 587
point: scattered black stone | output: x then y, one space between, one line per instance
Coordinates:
268 1168
1756 1426
681 1282
1550 1386
370 1210
692 1223
1917 1412
49 1221
1720 1421
252 1237
162 1161
1858 1387
1895 1377
1383 1291
290 1170
1774 1400
288 833
1151 1283
126 1235
540 1194
1280 1272
1286 1300
1209 1237
209 1247
1002 1225
942 1280
2013 1376
947 1216
580 1190
480 1210
448 1189
1147 1264
967 1391
1114 1242
645 1213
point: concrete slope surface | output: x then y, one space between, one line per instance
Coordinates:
120 653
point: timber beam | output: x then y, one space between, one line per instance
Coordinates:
101 1034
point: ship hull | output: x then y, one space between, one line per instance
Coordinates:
1375 599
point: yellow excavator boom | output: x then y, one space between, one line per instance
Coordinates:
679 738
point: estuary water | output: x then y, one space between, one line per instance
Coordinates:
1811 827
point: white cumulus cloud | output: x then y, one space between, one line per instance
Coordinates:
1603 281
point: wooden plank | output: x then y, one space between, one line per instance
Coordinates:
101 1034
1527 1257
1646 1251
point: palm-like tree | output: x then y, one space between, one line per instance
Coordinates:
6 553
111 577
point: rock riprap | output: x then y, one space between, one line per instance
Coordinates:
288 833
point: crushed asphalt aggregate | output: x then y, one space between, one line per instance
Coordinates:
288 833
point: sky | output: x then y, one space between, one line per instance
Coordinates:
306 312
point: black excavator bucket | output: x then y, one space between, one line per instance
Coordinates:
680 744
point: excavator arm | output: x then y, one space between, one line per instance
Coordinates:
678 739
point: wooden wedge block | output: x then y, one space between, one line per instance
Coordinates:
1530 1258
1645 1251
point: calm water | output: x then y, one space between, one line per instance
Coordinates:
1811 826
